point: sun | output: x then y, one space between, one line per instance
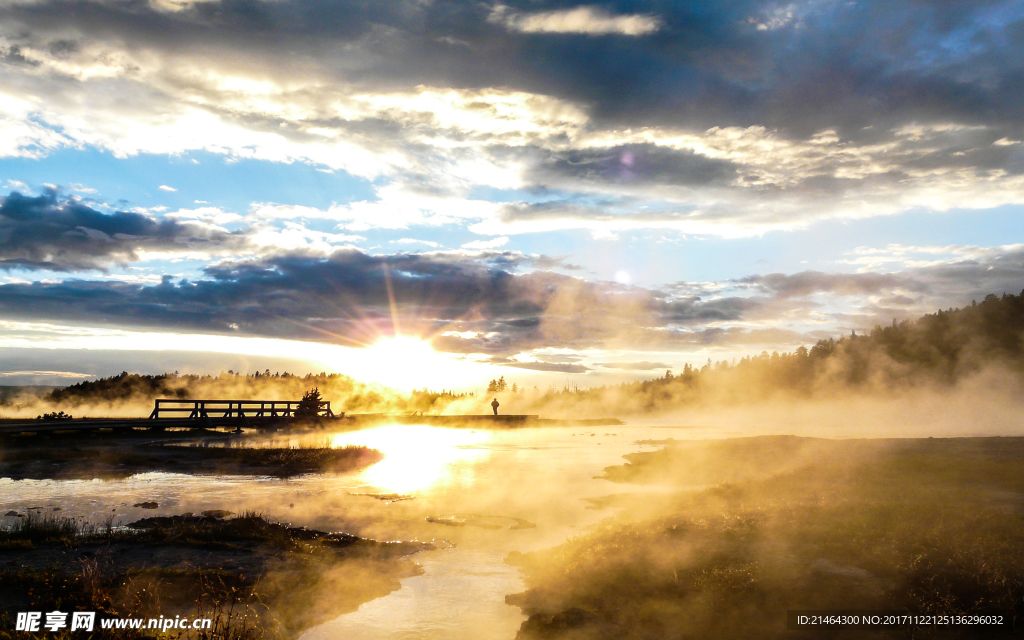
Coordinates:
409 348
405 362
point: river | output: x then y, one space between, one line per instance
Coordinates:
478 494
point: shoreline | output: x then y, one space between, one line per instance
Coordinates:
115 455
270 574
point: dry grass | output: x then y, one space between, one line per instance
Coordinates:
927 527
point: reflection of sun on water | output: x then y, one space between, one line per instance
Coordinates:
416 457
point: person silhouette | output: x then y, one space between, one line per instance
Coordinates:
494 405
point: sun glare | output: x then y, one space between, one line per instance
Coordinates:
416 457
406 362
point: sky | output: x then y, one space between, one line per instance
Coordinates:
551 191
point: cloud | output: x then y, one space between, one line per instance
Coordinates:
548 366
176 5
902 256
501 305
50 374
807 283
415 241
592 21
164 187
482 302
486 244
45 232
764 116
643 365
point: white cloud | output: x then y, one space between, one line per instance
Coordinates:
51 374
212 215
294 237
20 135
415 241
396 207
585 20
776 18
164 187
897 256
481 245
175 6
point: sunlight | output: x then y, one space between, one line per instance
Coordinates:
400 362
404 362
416 457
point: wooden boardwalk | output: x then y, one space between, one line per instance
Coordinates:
260 415
190 414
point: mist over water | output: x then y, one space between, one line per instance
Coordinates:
480 495
494 492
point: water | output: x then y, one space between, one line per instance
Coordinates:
510 490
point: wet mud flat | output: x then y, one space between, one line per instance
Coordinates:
197 451
254 576
749 528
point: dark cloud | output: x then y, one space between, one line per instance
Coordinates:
347 298
807 283
782 72
491 303
626 164
46 232
1000 272
695 310
821 65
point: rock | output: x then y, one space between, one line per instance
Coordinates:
572 622
146 505
450 521
218 513
15 514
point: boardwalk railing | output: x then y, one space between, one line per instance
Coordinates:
209 409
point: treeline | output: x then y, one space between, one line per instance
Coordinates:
345 393
937 349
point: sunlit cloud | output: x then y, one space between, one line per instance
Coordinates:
586 20
48 374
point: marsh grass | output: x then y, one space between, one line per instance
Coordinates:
239 603
234 613
248 527
318 457
917 526
108 456
36 527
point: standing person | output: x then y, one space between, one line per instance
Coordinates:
494 405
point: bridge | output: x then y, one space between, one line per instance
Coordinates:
169 413
206 411
189 414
